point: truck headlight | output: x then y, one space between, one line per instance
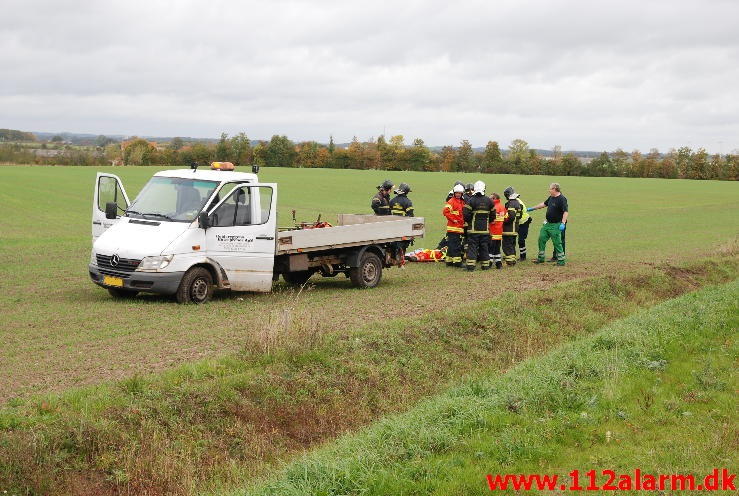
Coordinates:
154 263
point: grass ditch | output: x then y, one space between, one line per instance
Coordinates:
655 391
217 423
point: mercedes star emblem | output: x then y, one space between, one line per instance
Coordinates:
114 260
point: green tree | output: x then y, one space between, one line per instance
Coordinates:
419 156
223 150
518 151
465 158
280 152
492 159
601 166
570 164
240 149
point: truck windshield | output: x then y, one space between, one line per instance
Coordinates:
171 198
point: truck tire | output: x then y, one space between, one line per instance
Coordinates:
297 278
123 294
368 273
196 286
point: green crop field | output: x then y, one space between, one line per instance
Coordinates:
83 377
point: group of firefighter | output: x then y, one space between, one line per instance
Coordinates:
481 228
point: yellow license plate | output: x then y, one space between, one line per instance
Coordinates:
112 281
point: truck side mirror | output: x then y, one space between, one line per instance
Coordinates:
111 210
203 220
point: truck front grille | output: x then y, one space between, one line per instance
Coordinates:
124 264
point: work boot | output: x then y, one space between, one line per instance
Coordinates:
539 261
498 265
449 264
522 257
458 264
470 268
553 259
485 267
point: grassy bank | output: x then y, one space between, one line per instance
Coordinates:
221 422
655 391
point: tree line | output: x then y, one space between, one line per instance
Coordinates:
391 154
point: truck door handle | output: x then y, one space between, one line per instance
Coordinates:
269 238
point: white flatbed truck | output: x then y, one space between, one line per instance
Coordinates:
190 232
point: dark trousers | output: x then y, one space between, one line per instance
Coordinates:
509 249
454 247
523 232
495 252
478 249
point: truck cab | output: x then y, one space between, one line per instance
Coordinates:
151 243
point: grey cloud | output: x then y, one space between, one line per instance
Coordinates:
581 74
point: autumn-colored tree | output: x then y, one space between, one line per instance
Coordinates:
683 162
355 153
308 154
447 158
649 166
715 167
534 162
699 165
667 167
138 151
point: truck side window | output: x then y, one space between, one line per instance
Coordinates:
110 191
265 203
235 211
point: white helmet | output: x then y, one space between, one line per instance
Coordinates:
479 188
458 189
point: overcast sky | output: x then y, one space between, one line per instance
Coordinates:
587 75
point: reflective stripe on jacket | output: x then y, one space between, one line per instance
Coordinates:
477 214
496 227
401 205
454 216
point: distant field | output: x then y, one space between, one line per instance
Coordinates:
60 330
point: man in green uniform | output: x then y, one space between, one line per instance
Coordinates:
557 212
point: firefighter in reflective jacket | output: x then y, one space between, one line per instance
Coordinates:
401 204
510 225
477 213
523 230
380 202
496 230
454 212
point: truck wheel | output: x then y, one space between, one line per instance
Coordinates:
369 272
297 278
196 286
122 293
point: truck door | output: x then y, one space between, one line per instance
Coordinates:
241 236
108 188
